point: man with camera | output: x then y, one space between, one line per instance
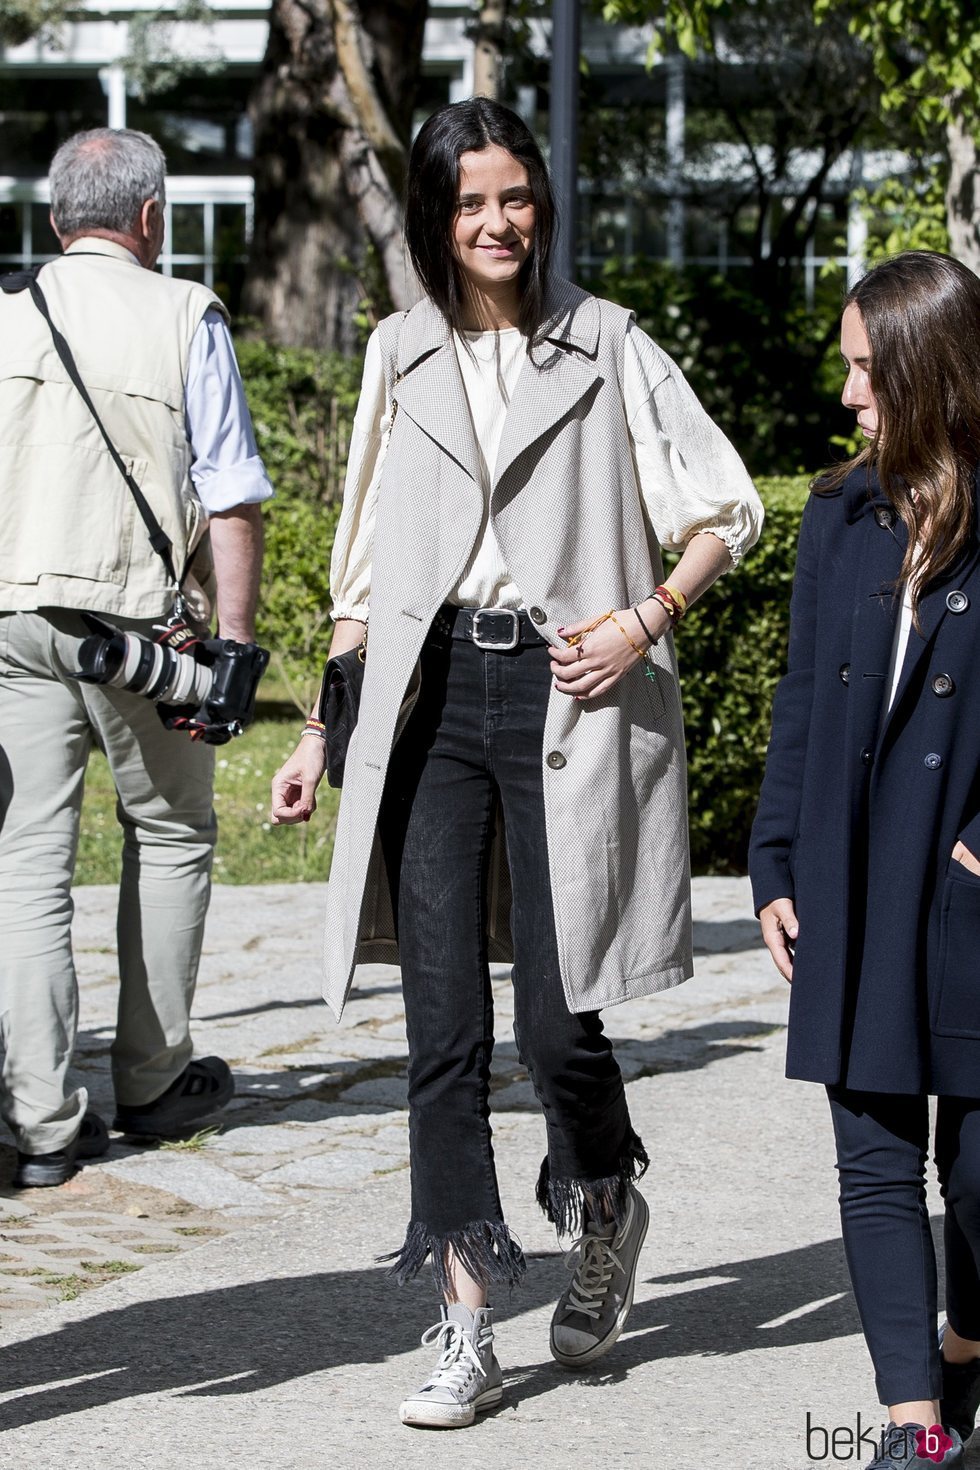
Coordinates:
131 513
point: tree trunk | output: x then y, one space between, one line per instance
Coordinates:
332 113
488 48
963 193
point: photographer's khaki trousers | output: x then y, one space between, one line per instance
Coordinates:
164 782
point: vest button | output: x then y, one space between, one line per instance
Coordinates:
537 616
957 602
942 685
867 757
556 760
845 673
933 761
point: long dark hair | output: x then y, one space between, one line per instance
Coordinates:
433 202
921 311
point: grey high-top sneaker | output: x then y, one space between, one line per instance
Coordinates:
592 1310
466 1379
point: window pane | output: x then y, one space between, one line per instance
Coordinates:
10 231
44 241
187 229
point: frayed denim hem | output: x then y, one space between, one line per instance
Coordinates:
568 1203
485 1250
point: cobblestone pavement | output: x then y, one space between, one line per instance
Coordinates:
319 1107
220 1302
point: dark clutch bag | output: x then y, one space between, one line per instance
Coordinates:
340 699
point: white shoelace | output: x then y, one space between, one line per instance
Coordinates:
592 1259
452 1369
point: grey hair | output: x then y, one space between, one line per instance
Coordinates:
101 179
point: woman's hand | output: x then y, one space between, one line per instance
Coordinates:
294 784
780 930
963 855
592 667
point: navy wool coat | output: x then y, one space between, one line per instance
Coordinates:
861 807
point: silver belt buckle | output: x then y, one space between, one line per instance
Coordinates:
496 612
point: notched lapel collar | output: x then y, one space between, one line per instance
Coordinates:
429 386
557 374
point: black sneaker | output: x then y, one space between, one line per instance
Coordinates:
204 1085
912 1447
961 1394
46 1171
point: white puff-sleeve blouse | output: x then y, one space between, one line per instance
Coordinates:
691 478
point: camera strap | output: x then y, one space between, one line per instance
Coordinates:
159 540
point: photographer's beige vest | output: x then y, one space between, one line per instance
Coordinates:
70 533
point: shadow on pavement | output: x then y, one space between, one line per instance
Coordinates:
726 936
240 1339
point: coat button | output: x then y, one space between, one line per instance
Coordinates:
957 602
556 760
845 673
537 616
943 685
867 757
885 517
933 761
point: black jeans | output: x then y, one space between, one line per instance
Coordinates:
475 738
882 1142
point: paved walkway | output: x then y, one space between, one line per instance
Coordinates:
219 1302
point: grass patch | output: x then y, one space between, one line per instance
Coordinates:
194 1143
249 849
110 1268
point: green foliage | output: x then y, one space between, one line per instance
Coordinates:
731 649
22 19
294 618
302 404
155 63
926 55
769 378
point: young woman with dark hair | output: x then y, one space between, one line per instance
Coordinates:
515 785
865 855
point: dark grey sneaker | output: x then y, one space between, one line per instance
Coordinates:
204 1085
961 1394
912 1447
467 1378
47 1171
592 1311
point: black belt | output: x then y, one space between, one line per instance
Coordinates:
495 629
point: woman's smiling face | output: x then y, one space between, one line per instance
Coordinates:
494 227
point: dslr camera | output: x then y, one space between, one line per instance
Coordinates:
205 687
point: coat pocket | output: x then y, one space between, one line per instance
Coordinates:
957 1010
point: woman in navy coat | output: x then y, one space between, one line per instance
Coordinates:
865 854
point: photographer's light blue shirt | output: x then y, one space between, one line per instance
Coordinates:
226 469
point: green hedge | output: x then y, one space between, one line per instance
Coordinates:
731 648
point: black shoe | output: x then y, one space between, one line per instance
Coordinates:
46 1171
961 1394
901 1445
204 1085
